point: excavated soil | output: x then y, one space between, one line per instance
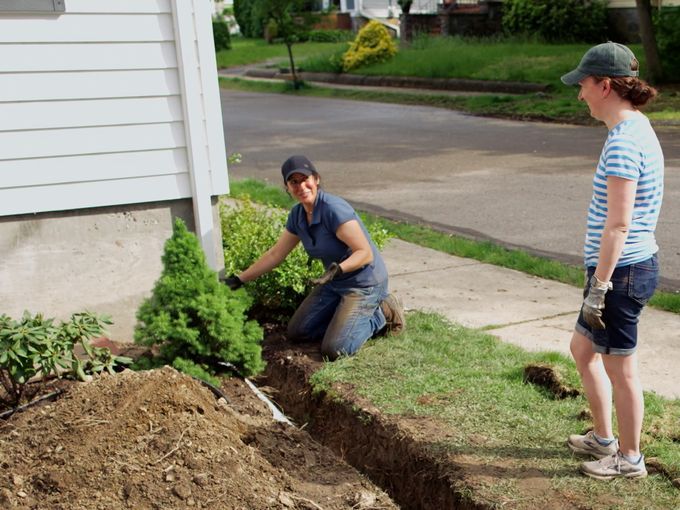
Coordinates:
160 439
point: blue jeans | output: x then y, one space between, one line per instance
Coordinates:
342 318
633 286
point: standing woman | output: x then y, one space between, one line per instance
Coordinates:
620 257
350 303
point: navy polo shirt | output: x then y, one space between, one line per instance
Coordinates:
320 241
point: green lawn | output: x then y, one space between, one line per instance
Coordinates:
472 385
457 58
454 57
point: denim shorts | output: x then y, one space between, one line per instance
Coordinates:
633 286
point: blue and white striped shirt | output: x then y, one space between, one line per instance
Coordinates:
631 151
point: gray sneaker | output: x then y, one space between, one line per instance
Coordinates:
588 445
394 314
614 466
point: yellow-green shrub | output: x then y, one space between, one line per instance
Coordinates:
372 44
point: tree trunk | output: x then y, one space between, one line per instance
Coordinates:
296 82
654 70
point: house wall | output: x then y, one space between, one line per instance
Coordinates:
110 126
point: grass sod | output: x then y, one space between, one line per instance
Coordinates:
471 385
454 245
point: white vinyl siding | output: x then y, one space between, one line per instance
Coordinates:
104 105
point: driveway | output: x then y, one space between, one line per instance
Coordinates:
520 184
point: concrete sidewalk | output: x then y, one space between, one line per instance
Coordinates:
533 313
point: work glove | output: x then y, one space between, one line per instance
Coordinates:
333 271
593 304
233 282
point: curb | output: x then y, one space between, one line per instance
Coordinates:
507 87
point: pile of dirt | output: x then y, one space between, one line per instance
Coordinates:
159 439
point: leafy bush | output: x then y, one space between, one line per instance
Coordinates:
556 20
667 30
35 346
192 317
330 36
221 34
247 232
372 44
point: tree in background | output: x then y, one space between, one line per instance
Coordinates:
405 5
293 19
249 18
556 21
654 70
667 34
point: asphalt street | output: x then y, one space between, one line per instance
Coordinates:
521 184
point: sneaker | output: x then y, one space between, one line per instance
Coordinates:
588 445
614 466
394 314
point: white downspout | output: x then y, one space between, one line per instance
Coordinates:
196 140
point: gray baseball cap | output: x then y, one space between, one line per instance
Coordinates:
607 59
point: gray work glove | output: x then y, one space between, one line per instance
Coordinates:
233 282
593 304
333 271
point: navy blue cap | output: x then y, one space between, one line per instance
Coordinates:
297 165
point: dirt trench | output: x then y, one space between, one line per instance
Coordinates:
387 450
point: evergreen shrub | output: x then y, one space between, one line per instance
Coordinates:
194 319
556 20
372 44
221 34
250 18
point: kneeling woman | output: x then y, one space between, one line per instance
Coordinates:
351 303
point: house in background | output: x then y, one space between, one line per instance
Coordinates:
110 128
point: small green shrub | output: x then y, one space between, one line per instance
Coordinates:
35 346
667 31
249 231
221 34
192 316
556 21
372 44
